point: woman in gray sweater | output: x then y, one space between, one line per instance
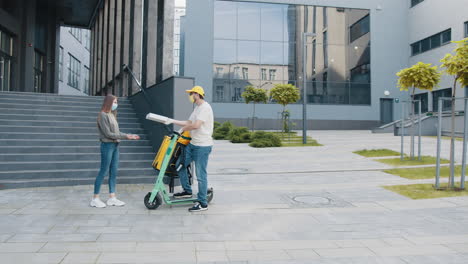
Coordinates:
110 137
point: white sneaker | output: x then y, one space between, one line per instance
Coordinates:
96 202
115 202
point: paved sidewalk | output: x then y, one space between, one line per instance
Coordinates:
282 205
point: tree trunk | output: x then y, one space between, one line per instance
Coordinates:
451 182
253 118
412 125
284 119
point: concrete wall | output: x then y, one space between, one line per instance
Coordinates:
431 17
296 124
389 54
179 12
166 42
168 98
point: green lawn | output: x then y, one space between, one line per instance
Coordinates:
377 152
423 173
309 144
291 139
424 191
425 160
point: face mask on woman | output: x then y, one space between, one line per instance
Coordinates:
114 106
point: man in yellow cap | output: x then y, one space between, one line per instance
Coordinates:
200 125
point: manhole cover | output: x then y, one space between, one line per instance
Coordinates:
314 200
234 170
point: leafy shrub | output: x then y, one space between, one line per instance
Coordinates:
223 130
216 125
258 139
243 138
236 132
260 144
218 136
262 139
246 137
258 135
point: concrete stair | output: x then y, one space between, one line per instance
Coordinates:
52 140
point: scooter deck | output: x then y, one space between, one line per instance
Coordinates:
173 200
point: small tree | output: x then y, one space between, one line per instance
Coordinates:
422 76
457 66
285 94
254 95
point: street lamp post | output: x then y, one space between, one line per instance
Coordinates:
304 87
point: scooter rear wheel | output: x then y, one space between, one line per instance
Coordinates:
155 204
209 195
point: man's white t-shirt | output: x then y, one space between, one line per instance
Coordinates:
202 136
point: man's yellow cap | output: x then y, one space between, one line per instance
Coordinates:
196 89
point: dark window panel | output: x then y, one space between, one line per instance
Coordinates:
415 48
466 29
446 106
425 45
325 49
424 102
314 18
446 36
415 2
325 18
359 28
435 41
361 74
431 42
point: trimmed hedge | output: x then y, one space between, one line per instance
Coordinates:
262 139
216 125
258 139
222 131
239 135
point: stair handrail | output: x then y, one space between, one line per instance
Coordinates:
126 68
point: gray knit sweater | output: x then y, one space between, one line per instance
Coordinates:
109 128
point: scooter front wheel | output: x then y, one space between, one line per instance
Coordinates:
209 195
155 204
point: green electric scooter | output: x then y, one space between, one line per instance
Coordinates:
159 193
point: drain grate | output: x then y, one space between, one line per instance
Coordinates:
315 200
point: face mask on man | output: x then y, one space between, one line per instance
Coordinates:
114 106
191 99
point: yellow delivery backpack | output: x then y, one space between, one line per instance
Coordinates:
176 154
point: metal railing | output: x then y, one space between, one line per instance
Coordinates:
126 69
402 128
465 139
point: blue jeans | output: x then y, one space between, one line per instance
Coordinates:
200 156
109 165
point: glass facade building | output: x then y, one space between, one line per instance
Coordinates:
261 44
